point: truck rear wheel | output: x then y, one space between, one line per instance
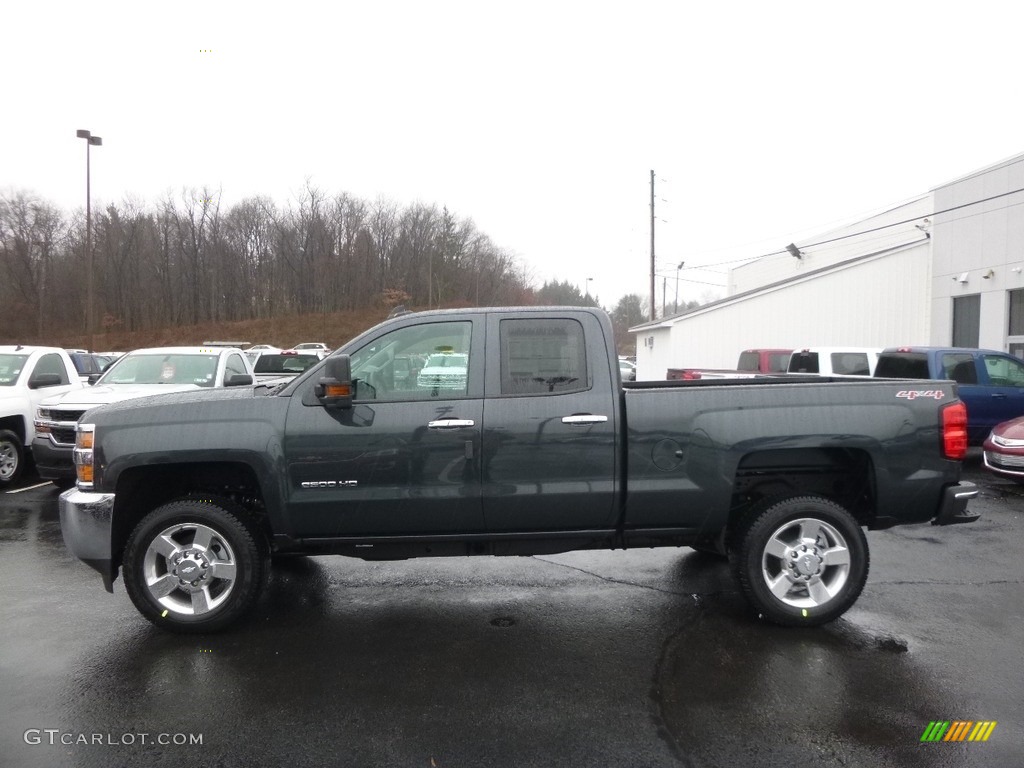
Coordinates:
195 565
12 457
801 561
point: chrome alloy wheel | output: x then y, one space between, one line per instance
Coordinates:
8 461
805 563
189 569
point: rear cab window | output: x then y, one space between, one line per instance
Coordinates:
542 356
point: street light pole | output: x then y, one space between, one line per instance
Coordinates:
675 305
90 141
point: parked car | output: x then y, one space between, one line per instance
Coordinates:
1003 450
752 364
444 370
270 367
627 369
531 454
89 365
158 370
834 361
28 375
312 347
991 383
256 350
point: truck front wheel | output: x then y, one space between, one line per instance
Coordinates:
12 457
194 565
801 561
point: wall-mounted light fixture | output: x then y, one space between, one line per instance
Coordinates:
989 273
962 277
794 251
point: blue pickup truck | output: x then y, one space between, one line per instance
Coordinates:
534 446
990 383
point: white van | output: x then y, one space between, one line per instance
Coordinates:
835 361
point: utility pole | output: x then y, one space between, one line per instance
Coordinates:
652 246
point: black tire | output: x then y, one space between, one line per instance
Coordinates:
801 561
12 457
210 539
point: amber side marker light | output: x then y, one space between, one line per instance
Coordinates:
83 453
954 431
337 390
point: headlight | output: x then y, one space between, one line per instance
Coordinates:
83 454
42 421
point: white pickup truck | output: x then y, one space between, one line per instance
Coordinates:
27 376
835 361
154 371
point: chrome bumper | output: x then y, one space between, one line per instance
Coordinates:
85 522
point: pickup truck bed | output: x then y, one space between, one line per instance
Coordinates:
539 448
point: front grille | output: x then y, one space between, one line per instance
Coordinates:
60 414
63 436
1004 460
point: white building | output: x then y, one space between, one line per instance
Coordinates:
942 269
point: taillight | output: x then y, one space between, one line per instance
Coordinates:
691 375
954 431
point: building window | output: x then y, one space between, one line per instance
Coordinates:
966 320
1015 329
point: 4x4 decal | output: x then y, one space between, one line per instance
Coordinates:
913 394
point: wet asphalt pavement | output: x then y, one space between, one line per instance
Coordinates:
639 658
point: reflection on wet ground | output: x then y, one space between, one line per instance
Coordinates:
639 658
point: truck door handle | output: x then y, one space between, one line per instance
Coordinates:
451 424
999 396
584 418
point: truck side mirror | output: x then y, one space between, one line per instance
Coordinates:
238 380
41 380
335 389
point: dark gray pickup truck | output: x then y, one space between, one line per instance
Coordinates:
507 432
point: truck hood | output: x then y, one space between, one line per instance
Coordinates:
112 393
173 402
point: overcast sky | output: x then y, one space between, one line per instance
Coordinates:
764 122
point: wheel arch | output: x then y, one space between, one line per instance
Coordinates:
16 424
843 475
142 489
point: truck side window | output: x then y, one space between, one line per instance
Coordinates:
540 357
960 368
419 362
52 363
1004 371
851 363
234 366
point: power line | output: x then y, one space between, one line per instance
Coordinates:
868 231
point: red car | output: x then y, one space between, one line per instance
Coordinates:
1004 449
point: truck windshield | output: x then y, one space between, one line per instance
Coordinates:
11 367
162 368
